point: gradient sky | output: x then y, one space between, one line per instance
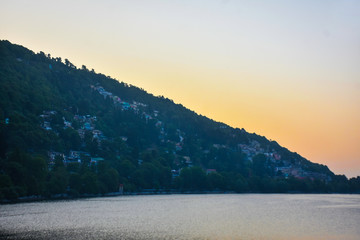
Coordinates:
287 70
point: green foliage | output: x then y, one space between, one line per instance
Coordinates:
193 178
90 184
57 108
215 181
57 182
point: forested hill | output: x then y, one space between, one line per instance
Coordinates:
71 131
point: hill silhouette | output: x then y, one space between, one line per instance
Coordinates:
68 131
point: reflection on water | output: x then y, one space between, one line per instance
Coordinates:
242 216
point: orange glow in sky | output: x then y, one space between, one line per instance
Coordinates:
287 70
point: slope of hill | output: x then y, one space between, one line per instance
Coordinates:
72 131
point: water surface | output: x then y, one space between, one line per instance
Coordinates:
228 216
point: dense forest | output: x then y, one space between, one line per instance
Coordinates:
67 132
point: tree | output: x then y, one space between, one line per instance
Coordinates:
216 181
126 168
90 183
193 178
259 162
57 181
110 180
83 67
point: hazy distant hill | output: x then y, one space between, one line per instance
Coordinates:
74 131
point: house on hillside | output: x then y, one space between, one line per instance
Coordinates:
52 156
96 160
175 173
188 161
125 105
87 126
208 171
46 126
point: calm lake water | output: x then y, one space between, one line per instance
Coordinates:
228 216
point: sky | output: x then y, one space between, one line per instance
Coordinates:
286 70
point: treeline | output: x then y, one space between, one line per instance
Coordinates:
26 175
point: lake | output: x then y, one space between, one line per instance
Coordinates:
208 216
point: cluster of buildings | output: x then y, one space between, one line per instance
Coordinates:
72 157
250 150
299 173
254 148
284 167
46 118
117 100
179 145
87 124
135 107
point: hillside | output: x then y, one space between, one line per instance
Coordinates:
69 130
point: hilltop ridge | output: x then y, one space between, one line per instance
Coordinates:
69 130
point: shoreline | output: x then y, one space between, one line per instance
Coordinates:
113 194
57 197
